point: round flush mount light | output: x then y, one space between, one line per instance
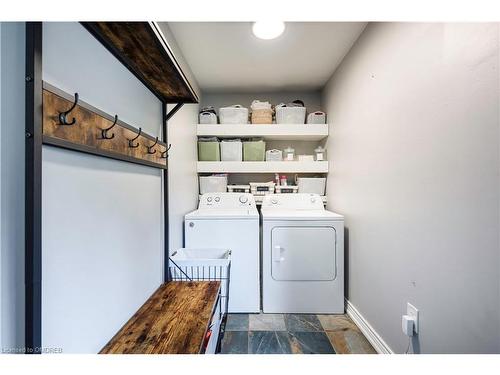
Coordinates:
268 29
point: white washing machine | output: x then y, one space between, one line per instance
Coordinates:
302 255
231 221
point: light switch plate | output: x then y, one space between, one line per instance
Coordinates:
413 312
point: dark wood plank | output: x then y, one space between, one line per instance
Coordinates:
174 320
141 47
86 132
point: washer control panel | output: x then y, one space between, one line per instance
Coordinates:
226 200
299 201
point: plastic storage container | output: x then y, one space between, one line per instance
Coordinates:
274 155
235 114
262 188
208 118
290 115
286 189
238 188
254 150
317 117
213 184
289 154
208 149
231 150
312 185
319 153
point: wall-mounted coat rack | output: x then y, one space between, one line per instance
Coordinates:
71 123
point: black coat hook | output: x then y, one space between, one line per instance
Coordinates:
131 141
164 154
104 132
150 148
62 115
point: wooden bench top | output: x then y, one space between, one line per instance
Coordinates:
173 320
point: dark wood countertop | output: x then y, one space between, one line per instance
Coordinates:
173 320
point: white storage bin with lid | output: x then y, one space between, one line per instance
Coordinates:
274 155
289 154
312 185
286 189
319 153
235 114
208 118
290 115
213 184
317 117
231 150
238 188
262 188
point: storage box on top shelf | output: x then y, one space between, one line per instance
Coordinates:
235 114
290 115
317 117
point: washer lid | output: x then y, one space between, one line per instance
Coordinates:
287 214
213 214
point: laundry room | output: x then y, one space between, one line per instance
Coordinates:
250 187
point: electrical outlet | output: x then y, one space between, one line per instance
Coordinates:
412 311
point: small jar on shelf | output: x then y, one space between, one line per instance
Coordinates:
319 153
289 154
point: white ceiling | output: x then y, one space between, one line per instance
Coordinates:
227 57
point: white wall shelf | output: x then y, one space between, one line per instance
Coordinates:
294 132
263 167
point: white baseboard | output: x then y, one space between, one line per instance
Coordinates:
372 336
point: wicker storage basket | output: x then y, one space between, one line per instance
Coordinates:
262 116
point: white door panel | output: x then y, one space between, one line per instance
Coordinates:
303 253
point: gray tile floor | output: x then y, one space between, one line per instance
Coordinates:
292 334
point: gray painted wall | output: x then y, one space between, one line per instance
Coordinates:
183 177
12 56
102 218
415 151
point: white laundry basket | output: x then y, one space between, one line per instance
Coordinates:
290 115
235 114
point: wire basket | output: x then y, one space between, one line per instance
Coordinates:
203 265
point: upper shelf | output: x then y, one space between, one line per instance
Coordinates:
143 49
293 132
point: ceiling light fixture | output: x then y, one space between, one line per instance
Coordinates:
268 29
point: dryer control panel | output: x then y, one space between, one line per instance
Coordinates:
226 200
299 201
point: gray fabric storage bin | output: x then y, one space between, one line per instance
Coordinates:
254 150
208 149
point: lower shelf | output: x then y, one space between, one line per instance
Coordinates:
263 167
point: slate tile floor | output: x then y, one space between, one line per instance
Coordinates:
292 334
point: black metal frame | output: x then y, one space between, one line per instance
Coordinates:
33 184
